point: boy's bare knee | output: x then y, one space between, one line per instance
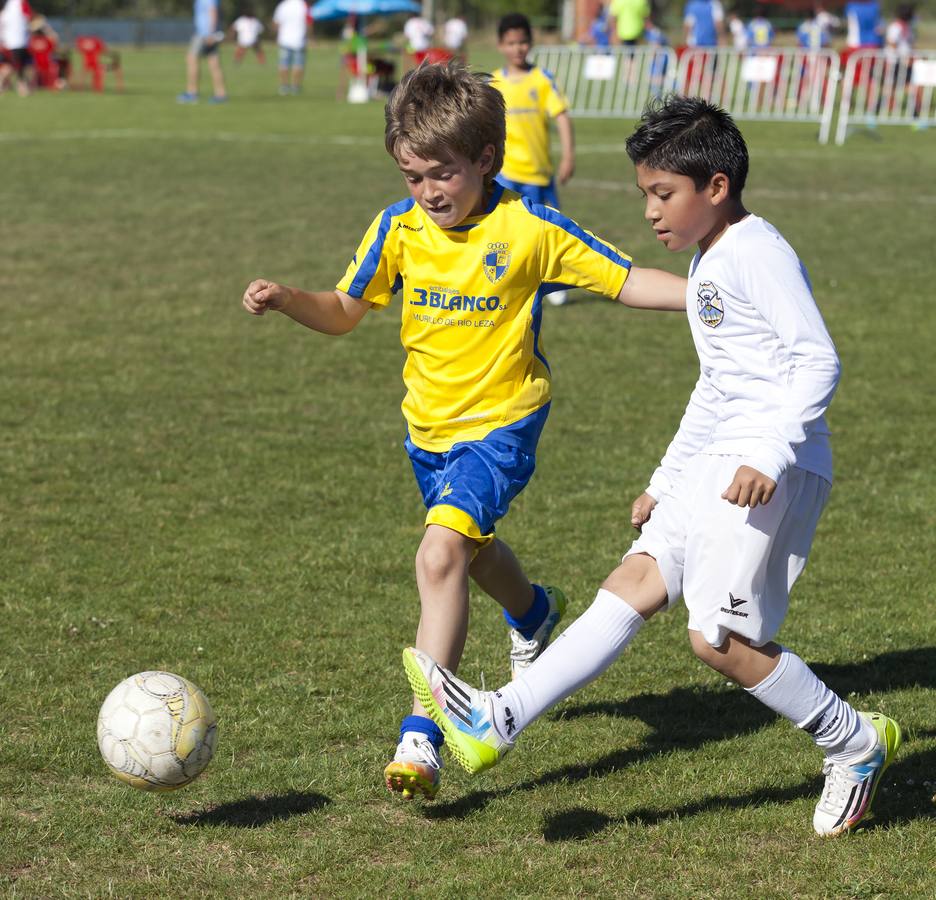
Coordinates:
713 657
637 581
442 554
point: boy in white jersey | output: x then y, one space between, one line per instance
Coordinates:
473 262
729 515
533 99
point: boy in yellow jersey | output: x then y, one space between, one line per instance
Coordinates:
532 99
471 262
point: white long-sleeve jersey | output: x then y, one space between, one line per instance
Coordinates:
768 368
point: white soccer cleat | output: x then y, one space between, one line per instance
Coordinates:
465 715
558 298
849 789
416 768
522 651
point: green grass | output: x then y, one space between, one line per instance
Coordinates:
185 487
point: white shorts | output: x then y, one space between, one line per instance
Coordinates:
735 566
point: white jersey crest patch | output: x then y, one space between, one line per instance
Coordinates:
710 306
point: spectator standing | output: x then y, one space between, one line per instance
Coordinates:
14 39
760 31
599 32
630 17
247 29
204 45
899 37
863 18
737 29
418 33
291 21
454 35
704 23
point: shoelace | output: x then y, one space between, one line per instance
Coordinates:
521 649
429 755
838 785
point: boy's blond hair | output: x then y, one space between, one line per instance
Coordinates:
440 109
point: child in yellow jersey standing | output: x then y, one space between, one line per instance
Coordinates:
532 99
471 262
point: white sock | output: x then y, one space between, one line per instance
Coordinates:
579 655
794 691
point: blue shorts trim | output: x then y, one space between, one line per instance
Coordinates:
543 194
480 478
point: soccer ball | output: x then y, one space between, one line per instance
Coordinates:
156 731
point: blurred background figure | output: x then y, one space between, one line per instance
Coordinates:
418 33
654 36
247 29
16 64
815 33
454 36
291 21
599 32
863 19
760 31
737 29
204 45
630 17
899 37
703 23
51 60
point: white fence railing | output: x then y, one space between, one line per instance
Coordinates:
783 84
880 89
613 82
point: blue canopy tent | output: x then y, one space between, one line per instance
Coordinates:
326 10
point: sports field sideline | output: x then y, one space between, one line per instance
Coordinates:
190 489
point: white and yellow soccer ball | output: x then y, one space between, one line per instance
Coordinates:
156 731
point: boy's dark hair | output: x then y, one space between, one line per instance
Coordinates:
689 136
905 12
440 109
512 21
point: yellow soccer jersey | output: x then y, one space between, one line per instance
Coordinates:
532 99
472 307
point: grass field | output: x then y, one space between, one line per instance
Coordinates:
185 487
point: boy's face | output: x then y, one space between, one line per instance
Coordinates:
515 46
449 191
680 215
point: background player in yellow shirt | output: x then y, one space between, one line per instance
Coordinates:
471 262
532 99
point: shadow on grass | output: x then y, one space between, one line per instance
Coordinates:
689 718
254 812
902 797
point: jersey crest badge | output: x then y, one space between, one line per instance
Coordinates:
496 261
711 308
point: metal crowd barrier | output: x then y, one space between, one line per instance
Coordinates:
783 84
880 88
610 82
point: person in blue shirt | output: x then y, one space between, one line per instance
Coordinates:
864 24
600 29
654 37
704 23
760 32
205 43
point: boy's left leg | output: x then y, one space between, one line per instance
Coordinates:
858 746
442 577
531 610
740 566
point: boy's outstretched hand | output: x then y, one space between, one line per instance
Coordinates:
262 295
749 488
640 511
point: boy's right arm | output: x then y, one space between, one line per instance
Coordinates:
328 312
653 289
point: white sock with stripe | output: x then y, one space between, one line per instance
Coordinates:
579 655
794 691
